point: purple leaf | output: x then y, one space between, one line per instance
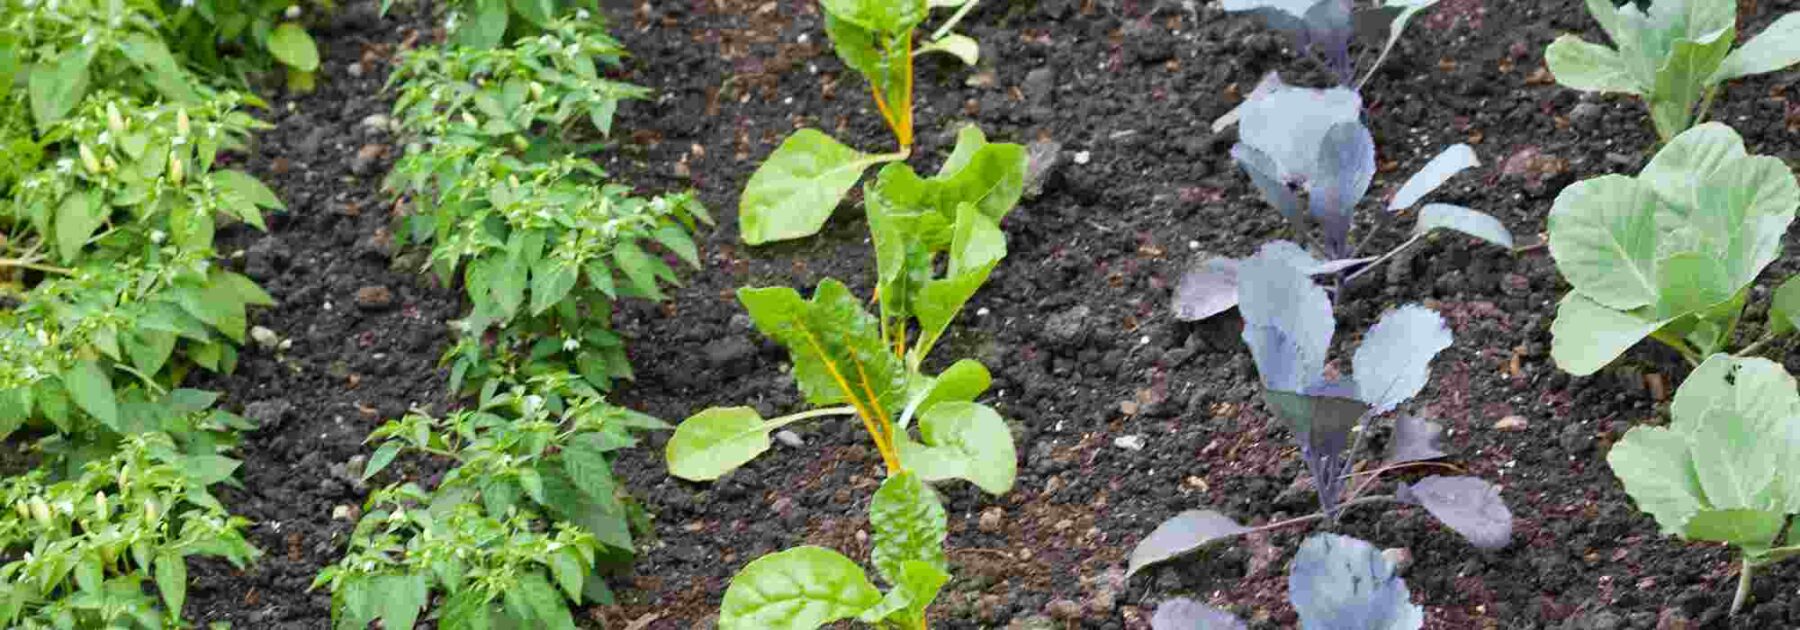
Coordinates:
1266 175
1341 582
1346 165
1283 132
1322 422
1207 289
1471 222
1287 319
1439 170
1469 505
1322 25
1394 360
1182 613
1415 440
1181 535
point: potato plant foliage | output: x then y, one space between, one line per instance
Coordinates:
936 241
1673 54
1671 253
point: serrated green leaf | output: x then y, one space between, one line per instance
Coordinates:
909 526
794 191
715 442
639 268
551 280
677 240
56 86
799 589
291 46
383 456
584 459
960 440
160 69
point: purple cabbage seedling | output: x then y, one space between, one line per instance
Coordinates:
1336 582
1325 27
1288 326
1298 140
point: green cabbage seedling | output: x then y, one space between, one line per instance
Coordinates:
1727 468
1673 56
936 240
1669 254
792 194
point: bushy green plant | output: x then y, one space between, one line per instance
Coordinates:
529 505
1674 54
258 30
79 549
67 47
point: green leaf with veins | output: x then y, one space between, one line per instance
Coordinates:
836 346
963 440
1776 47
715 442
913 591
963 381
909 526
883 16
1590 67
798 589
794 191
1724 464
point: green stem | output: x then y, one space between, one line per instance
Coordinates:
1680 346
954 18
32 264
1743 589
1757 345
777 423
1706 105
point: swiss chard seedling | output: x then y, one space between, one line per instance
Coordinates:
1288 326
1669 254
793 192
1296 141
1335 582
1674 55
936 241
1724 470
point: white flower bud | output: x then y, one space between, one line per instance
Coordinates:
114 121
175 174
182 127
41 511
293 12
88 160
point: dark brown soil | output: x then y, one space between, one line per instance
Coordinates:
1075 323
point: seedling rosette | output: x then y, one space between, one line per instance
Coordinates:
1335 582
1673 55
1288 326
1669 254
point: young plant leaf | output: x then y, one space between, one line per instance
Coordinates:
1784 307
1182 613
1181 535
715 442
792 194
963 440
291 46
836 346
1415 440
1469 505
1440 169
1346 167
1394 360
1341 582
799 589
1292 136
961 46
909 525
914 589
1777 47
92 391
1207 289
1467 221
1287 321
1590 67
1322 419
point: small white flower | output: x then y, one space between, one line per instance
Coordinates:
177 141
65 165
105 138
86 39
158 236
581 14
187 4
293 11
571 344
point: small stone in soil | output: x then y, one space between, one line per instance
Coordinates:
1130 442
789 438
268 414
265 337
1511 423
374 298
991 519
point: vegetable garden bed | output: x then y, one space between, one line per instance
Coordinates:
1122 415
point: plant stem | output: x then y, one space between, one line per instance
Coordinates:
954 18
1743 589
777 423
1705 105
1757 345
1680 346
1380 498
1384 258
32 264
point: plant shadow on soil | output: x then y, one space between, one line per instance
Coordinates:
1075 324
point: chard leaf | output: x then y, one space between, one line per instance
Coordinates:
1339 582
963 440
916 586
794 191
799 589
1287 138
1182 535
1182 613
961 46
1469 505
909 526
1394 360
836 346
715 442
1287 321
1440 169
1207 289
1471 222
963 381
1415 440
1777 47
882 16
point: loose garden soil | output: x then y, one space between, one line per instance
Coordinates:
1075 324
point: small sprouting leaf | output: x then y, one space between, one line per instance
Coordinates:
1394 360
1182 535
291 46
92 391
963 440
1440 169
958 45
1207 289
914 589
1415 440
963 381
794 191
1590 67
1784 307
909 526
1776 47
1287 321
1341 582
715 442
799 589
1469 505
1182 613
1468 221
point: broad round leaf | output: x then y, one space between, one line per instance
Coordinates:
291 46
1287 320
1586 336
799 589
1284 132
1341 582
1603 236
963 440
885 16
1394 360
715 442
1590 67
1655 466
1469 505
1182 613
794 191
1181 535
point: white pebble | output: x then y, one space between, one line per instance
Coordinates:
1130 442
1083 157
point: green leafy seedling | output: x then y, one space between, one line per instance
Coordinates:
936 241
792 194
1724 470
1669 254
1674 55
